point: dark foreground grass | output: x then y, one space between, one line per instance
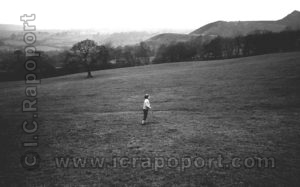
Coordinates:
238 108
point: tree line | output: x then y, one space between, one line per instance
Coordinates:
87 55
259 42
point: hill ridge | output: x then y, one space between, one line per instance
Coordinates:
235 28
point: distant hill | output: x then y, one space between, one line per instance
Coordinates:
292 20
229 29
10 27
124 38
50 40
12 37
235 28
168 38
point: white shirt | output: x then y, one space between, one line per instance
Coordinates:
146 104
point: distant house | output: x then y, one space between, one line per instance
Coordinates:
137 61
120 60
113 61
145 60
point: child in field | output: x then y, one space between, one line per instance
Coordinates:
146 107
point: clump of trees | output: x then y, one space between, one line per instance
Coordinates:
259 42
175 53
12 65
88 55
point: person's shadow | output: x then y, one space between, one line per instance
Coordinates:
150 123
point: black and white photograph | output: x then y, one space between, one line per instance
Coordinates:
150 93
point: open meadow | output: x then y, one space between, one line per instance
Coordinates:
231 110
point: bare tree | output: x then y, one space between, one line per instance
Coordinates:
84 50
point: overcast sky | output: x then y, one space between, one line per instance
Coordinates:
128 15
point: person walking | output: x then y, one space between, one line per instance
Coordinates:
146 107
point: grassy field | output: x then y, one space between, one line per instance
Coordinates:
243 108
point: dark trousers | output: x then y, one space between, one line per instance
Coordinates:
145 113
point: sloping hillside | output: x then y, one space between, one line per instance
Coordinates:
230 29
292 21
243 108
168 38
235 28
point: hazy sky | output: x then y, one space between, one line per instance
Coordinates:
125 15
